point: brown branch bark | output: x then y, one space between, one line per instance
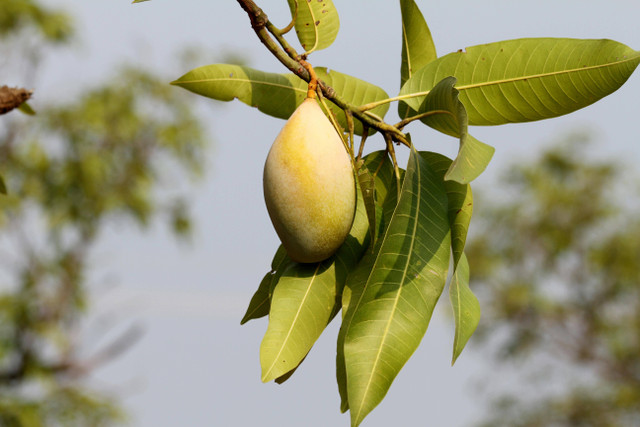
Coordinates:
11 98
260 22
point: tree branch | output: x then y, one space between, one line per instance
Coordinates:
11 98
260 23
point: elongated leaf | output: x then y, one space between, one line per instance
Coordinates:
301 305
393 311
316 22
261 300
138 1
418 48
460 203
274 94
366 182
466 308
304 301
473 155
386 200
374 191
277 95
528 79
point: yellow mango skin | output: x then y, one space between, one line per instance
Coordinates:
309 188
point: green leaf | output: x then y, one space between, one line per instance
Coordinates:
466 308
316 22
460 203
366 181
26 108
393 310
278 95
385 197
304 301
261 300
451 118
528 79
374 172
138 1
473 158
301 306
3 186
274 94
418 48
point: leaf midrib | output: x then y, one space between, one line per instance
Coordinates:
459 311
295 320
510 80
228 79
395 303
406 48
548 74
315 27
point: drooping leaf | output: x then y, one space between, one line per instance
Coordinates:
283 378
277 95
316 23
460 203
261 300
304 301
451 119
473 158
374 172
393 309
366 182
466 308
386 200
418 48
528 79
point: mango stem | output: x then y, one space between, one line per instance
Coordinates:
313 79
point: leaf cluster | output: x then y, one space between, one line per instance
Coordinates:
410 222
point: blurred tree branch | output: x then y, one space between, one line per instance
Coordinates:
11 98
120 152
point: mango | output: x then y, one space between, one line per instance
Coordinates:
309 186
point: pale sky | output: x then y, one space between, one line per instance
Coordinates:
195 365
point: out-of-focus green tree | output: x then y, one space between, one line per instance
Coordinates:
114 154
558 269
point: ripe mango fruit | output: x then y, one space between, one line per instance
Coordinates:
309 186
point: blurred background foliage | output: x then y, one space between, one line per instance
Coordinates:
557 269
114 153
